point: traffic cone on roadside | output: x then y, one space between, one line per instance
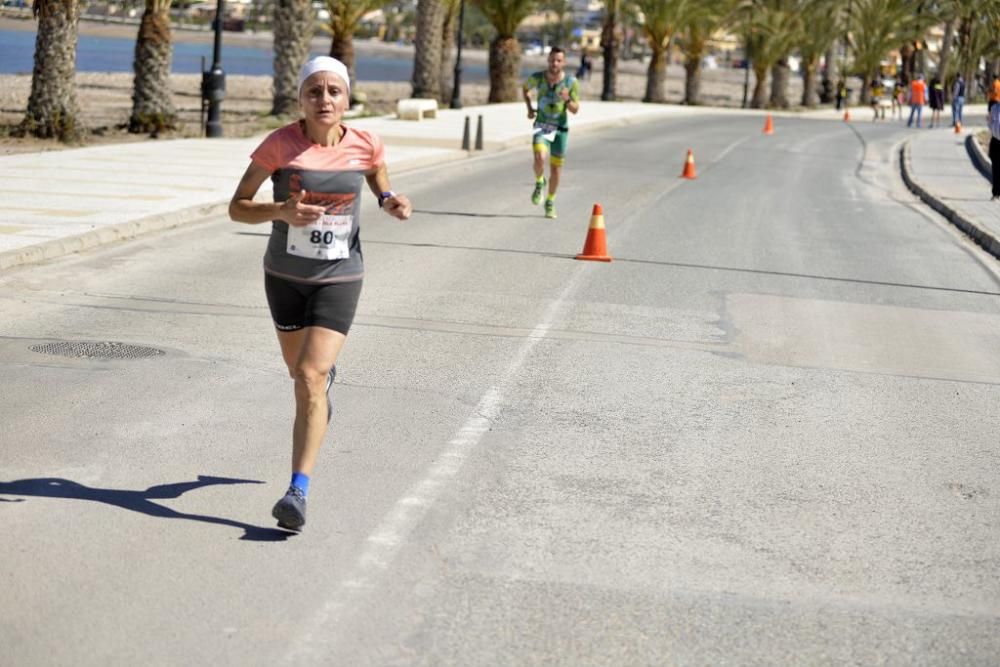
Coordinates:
958 127
689 170
768 125
596 246
847 116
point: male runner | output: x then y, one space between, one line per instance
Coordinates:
556 93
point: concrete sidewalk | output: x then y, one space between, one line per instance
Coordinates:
61 202
937 166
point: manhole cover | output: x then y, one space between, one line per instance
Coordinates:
97 350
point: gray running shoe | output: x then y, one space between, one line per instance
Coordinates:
536 194
290 511
329 383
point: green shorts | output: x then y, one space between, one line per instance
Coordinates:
556 147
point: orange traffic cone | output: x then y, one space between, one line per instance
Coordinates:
958 127
847 116
596 246
689 170
768 125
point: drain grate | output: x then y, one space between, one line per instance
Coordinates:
97 350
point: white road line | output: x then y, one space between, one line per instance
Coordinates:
727 149
382 546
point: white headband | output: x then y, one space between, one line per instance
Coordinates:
324 64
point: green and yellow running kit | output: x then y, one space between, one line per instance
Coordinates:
551 130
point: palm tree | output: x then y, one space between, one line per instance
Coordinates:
53 110
975 39
427 48
820 19
659 20
293 30
344 18
609 44
698 21
774 30
786 28
877 26
505 52
152 102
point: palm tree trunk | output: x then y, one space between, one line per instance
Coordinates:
692 81
447 65
759 100
694 51
342 48
152 102
609 42
779 84
809 96
505 61
829 76
427 49
293 29
656 74
52 106
906 55
865 96
945 58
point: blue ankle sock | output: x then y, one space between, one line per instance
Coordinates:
301 481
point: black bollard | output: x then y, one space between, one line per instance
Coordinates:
479 133
465 135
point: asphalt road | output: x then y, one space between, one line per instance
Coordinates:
764 434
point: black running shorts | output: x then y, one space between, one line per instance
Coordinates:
298 305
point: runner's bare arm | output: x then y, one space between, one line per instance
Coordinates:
527 100
398 206
572 104
242 207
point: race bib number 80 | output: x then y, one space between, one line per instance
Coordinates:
327 238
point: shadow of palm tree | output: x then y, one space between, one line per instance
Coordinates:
140 501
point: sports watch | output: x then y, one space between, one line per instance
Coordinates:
385 195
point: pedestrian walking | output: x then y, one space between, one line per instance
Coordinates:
918 98
555 94
841 98
898 95
936 101
313 267
993 116
957 99
583 72
877 90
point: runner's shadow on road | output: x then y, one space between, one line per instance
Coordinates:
140 501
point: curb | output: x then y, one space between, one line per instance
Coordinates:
985 239
979 159
40 252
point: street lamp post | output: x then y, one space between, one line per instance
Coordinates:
213 82
456 89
